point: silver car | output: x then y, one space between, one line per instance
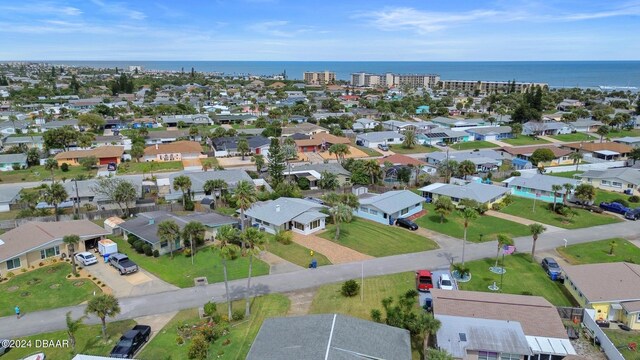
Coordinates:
86 258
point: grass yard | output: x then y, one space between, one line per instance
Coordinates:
367 150
39 173
578 136
523 208
88 341
525 140
565 174
148 167
181 273
417 149
614 133
9 215
621 339
44 288
472 145
486 225
523 277
241 335
378 240
609 196
295 253
598 252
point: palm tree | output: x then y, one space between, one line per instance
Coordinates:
430 326
576 156
51 164
243 147
253 240
567 189
340 213
503 240
372 168
556 189
339 150
602 131
585 192
535 229
193 231
72 328
245 196
328 181
466 167
54 194
468 214
169 231
212 187
258 159
228 251
409 140
103 306
72 241
635 154
182 183
516 129
443 206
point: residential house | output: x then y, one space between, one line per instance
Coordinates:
308 129
10 162
187 120
30 243
545 128
399 159
298 215
28 141
320 142
13 127
536 186
520 156
481 193
491 133
313 173
165 136
329 337
373 139
245 119
9 195
601 150
399 126
458 124
484 159
228 146
611 289
84 104
388 207
103 154
471 320
198 179
569 104
585 125
82 191
443 135
176 151
617 179
364 124
112 140
59 124
627 140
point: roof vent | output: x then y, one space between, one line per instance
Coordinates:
277 208
463 336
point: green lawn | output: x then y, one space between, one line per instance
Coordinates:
242 126
39 173
329 300
621 339
295 253
523 277
44 288
377 240
525 140
472 145
369 151
522 207
417 149
241 335
565 174
148 167
88 341
488 226
9 215
179 271
609 196
598 252
623 133
574 137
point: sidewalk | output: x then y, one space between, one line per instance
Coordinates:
550 139
500 143
336 253
278 265
523 221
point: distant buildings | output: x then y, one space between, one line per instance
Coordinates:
319 77
489 86
392 80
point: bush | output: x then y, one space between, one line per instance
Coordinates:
131 239
148 250
303 183
634 199
64 167
10 274
284 237
216 317
156 253
139 246
237 315
515 173
179 340
199 348
350 288
186 252
376 315
497 206
508 200
210 308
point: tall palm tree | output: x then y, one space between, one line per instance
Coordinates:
72 241
567 189
466 167
245 196
602 131
340 213
556 189
253 240
535 230
576 156
212 186
51 164
468 214
228 251
443 207
103 306
372 168
340 151
182 183
503 240
243 147
72 328
54 194
430 326
328 181
410 140
169 231
194 230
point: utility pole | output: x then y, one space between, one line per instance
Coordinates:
77 197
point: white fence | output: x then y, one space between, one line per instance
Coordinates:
582 167
609 348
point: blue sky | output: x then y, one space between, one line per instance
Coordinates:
421 30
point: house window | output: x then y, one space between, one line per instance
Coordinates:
616 184
298 226
13 263
404 211
164 244
52 251
315 224
373 212
487 355
364 209
605 182
637 315
505 356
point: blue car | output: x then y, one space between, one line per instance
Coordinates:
614 207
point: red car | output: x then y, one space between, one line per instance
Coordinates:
424 280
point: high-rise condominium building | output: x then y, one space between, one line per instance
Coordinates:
392 80
319 77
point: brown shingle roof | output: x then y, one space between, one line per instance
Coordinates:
536 315
399 159
319 138
35 234
606 282
528 150
175 147
99 152
596 146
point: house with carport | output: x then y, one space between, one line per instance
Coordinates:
298 215
481 193
616 179
103 154
386 208
373 139
539 187
520 156
177 151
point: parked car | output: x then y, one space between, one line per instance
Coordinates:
575 200
424 280
383 147
112 166
440 143
122 263
550 265
614 207
86 258
633 214
445 283
131 342
407 224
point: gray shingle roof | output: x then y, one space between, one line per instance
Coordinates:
328 336
13 158
330 167
199 178
380 136
13 140
231 143
474 191
540 182
466 155
490 130
393 201
282 210
624 174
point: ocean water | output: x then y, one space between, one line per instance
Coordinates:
554 73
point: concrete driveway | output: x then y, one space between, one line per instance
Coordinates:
435 276
138 283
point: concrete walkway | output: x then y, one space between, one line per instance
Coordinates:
500 143
550 139
278 265
519 220
336 253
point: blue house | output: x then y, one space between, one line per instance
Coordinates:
386 208
491 133
423 109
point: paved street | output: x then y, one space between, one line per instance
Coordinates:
137 306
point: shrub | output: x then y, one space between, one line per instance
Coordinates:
98 282
64 167
634 199
303 183
139 246
216 317
156 253
40 263
179 340
131 239
77 275
376 315
237 315
10 274
350 288
508 200
198 348
284 237
515 173
225 343
483 208
210 308
148 250
186 252
497 206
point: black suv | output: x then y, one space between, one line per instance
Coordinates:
407 224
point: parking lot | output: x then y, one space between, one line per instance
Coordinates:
423 296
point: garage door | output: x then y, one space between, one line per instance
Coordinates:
107 160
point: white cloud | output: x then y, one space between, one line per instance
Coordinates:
119 9
41 8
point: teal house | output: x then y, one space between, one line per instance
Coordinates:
423 109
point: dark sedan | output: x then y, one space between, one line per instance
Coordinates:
407 224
